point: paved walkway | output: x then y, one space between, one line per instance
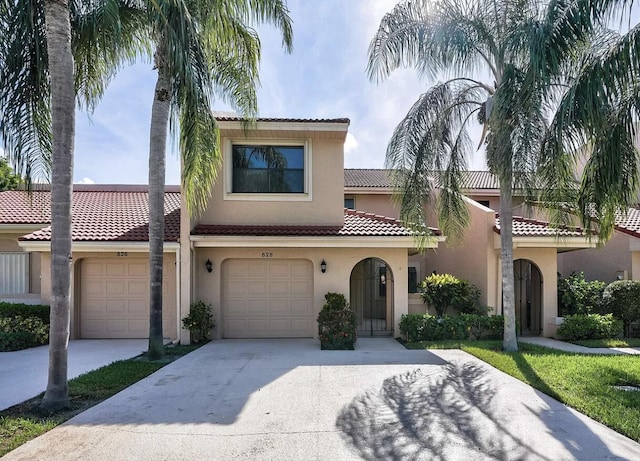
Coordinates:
286 399
568 347
23 374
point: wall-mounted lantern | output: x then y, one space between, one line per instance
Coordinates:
208 265
323 266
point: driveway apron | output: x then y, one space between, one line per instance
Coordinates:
286 399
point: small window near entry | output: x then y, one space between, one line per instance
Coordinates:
484 203
350 202
413 279
268 169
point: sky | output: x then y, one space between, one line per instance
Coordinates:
324 77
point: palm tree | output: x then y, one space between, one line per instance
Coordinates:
518 67
202 48
37 125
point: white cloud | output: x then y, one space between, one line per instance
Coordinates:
350 144
85 181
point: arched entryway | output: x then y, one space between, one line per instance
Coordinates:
371 288
528 297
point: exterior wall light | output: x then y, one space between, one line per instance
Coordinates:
208 265
323 266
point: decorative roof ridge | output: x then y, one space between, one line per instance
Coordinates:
377 217
102 188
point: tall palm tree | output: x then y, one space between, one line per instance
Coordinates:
37 124
518 67
202 48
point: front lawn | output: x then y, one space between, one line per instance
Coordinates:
627 342
584 382
26 421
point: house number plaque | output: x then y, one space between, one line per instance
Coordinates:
122 253
267 254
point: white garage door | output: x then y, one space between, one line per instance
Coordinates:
114 298
267 298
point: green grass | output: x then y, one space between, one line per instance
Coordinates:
584 382
26 421
627 342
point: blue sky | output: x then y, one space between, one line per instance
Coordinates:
324 77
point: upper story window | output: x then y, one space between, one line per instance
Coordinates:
268 169
350 202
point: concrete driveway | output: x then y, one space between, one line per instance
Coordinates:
23 374
286 399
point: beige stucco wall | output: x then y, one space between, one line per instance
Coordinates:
375 203
635 265
9 242
340 262
601 263
323 206
169 291
472 259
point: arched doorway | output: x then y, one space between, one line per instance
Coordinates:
371 288
528 297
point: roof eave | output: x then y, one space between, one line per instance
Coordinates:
229 241
110 246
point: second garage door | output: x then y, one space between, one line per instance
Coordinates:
267 298
114 298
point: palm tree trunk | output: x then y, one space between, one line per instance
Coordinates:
157 149
510 342
58 29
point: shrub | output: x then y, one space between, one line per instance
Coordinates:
577 296
425 327
336 324
18 333
445 290
199 321
590 326
8 310
622 299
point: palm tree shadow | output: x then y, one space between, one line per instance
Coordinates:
445 415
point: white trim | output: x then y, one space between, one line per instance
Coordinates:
547 242
98 246
227 184
341 127
27 228
232 241
368 191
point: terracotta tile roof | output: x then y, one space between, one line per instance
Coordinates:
366 178
356 224
629 222
380 178
231 118
525 227
100 213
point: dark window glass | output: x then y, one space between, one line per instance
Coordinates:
484 203
413 279
350 203
268 169
382 281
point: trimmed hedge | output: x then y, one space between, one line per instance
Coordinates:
425 327
18 333
622 299
336 324
590 326
9 310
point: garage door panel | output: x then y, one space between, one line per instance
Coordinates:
301 307
279 270
114 299
138 288
301 287
267 298
256 307
279 288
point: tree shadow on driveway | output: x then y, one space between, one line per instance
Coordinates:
449 414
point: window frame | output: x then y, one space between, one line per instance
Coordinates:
267 196
350 197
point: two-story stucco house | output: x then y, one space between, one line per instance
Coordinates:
273 240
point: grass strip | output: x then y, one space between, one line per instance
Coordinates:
26 421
